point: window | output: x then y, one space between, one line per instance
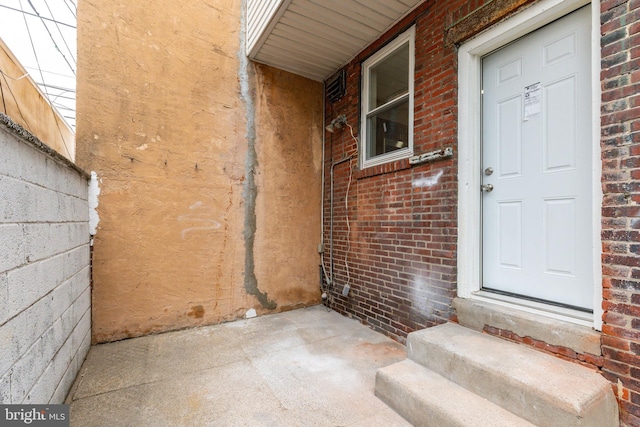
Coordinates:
387 102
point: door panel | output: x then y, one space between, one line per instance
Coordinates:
536 155
510 220
509 138
560 125
559 233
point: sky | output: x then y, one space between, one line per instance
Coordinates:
42 36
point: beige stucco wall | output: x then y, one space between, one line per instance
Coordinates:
24 103
183 238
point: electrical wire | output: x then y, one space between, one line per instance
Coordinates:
55 118
61 93
61 35
33 47
50 36
349 159
44 85
64 89
4 105
13 78
73 11
31 14
17 104
20 111
50 72
346 207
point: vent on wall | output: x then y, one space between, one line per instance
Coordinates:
336 86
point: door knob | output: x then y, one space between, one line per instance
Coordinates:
488 171
487 187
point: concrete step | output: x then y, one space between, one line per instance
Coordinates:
537 387
425 398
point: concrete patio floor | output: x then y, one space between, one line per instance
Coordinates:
309 367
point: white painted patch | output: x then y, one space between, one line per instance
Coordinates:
251 314
206 223
620 389
420 303
209 224
142 147
94 192
428 181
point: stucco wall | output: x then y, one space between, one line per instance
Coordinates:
24 103
209 201
45 317
288 204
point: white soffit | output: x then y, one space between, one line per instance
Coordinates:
314 38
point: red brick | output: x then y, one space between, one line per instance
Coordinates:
591 359
616 367
628 420
630 408
606 5
622 333
617 319
625 309
404 239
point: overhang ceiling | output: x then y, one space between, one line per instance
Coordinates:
314 38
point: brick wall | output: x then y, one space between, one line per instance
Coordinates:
620 28
400 242
44 270
398 249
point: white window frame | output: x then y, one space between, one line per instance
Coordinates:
387 50
469 174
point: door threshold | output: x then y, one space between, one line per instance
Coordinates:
538 300
557 312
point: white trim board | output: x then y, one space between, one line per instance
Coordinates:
469 104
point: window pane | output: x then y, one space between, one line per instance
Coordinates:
388 130
389 78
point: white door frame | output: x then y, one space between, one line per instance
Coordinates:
469 152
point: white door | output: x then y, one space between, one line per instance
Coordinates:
536 165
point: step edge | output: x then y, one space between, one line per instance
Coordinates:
489 408
578 404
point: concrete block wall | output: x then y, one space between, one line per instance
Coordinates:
45 295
